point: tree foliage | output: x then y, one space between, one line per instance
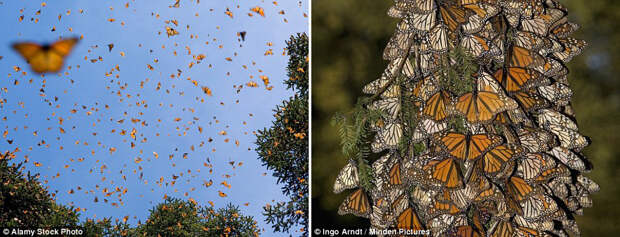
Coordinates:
283 148
185 218
25 203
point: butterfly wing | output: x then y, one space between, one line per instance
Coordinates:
502 229
447 172
455 144
395 175
46 59
409 220
496 159
357 204
522 57
63 47
34 55
27 50
481 143
480 107
518 188
347 178
436 106
453 16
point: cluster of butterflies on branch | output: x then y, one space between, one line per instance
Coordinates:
501 152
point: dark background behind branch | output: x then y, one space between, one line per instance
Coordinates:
348 37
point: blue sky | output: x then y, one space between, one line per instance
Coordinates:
90 107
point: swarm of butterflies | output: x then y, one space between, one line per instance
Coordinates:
515 167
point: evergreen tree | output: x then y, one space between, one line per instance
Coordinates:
24 202
175 217
228 222
105 227
283 147
476 133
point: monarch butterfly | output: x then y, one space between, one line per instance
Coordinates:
421 196
46 58
537 26
498 25
495 159
388 136
572 47
518 188
513 11
477 222
502 228
551 173
389 174
467 231
436 106
462 197
481 106
400 9
422 6
446 171
375 86
423 21
467 147
347 178
379 167
540 24
483 11
444 207
439 38
408 70
552 68
564 29
588 184
538 205
426 128
425 88
522 57
526 232
474 25
443 204
564 128
502 118
558 93
549 116
380 217
529 100
492 193
515 78
391 107
453 16
398 46
401 201
357 204
409 220
476 180
534 140
395 174
553 46
529 226
529 41
478 46
427 62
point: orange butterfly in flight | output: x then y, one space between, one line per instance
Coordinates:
46 58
